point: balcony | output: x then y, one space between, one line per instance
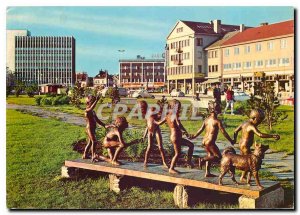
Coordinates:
178 62
179 50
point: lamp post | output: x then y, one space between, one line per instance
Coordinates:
120 51
193 64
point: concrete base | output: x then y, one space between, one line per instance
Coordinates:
69 172
181 197
114 182
273 199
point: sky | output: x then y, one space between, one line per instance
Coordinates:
101 31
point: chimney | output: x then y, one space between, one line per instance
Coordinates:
263 23
242 27
217 26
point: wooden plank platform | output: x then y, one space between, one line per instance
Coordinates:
187 177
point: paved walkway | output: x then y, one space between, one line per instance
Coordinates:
280 164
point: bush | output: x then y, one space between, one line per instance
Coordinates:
38 100
46 101
31 89
241 107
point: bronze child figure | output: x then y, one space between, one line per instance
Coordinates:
154 133
250 163
249 128
114 141
177 130
92 120
212 125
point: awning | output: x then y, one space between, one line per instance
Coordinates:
211 81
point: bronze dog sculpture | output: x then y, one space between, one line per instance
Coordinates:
249 163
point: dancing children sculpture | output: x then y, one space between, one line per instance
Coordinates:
212 125
177 130
249 128
113 140
92 120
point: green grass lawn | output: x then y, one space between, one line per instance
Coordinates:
36 150
21 100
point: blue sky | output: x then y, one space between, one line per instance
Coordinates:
101 31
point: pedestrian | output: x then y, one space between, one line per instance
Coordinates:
217 97
229 99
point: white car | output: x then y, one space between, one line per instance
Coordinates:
142 94
176 93
241 96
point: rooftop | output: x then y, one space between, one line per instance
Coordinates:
262 32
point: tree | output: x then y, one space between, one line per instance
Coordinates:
31 89
75 96
113 93
19 87
266 100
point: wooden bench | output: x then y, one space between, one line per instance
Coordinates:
251 197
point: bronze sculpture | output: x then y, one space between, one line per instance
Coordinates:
113 140
250 163
212 125
92 120
177 130
153 132
249 128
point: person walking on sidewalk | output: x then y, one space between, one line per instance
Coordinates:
217 97
229 100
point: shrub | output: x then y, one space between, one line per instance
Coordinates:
38 100
31 89
46 101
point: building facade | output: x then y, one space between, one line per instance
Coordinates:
41 59
141 73
103 79
246 56
186 62
82 78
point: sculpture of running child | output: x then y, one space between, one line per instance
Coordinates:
212 125
177 130
249 128
91 120
113 140
153 131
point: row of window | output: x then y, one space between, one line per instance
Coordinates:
212 54
139 67
182 70
23 41
145 74
258 48
125 80
213 68
182 56
45 69
184 43
257 64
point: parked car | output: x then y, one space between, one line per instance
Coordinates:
241 96
142 94
176 93
123 92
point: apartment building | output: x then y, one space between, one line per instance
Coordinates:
41 59
82 78
141 73
244 57
103 79
186 60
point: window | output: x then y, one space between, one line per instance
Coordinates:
199 41
284 61
236 50
259 63
226 52
271 62
283 44
199 68
227 66
216 68
179 29
258 47
247 49
247 65
270 46
216 54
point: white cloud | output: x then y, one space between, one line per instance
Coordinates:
123 26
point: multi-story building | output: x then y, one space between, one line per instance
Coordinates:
241 59
82 78
142 73
103 79
186 61
41 59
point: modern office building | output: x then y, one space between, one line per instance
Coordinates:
186 62
141 73
240 58
41 59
